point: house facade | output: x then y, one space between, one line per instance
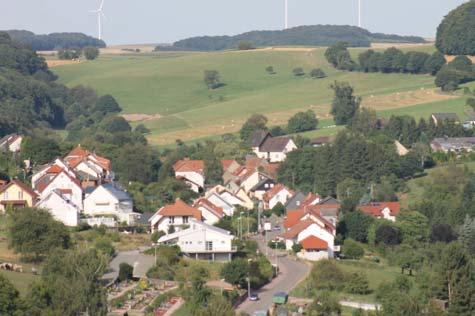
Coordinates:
68 185
108 200
61 208
16 194
273 149
11 143
202 241
177 215
211 214
382 210
453 144
278 194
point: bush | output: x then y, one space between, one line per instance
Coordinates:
357 283
212 79
352 250
270 70
276 244
104 245
157 235
298 72
302 122
388 235
126 272
296 248
326 275
91 53
278 209
245 45
317 73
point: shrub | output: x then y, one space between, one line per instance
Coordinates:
317 73
326 275
91 53
388 235
104 245
357 283
245 45
125 272
296 248
298 72
157 235
352 250
270 70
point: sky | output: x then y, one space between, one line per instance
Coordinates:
160 21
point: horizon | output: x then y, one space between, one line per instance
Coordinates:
56 16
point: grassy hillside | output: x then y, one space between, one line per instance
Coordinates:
168 89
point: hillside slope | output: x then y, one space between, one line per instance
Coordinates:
167 93
311 35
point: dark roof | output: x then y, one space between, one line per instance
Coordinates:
117 192
446 116
320 140
262 182
329 201
258 137
274 144
145 217
293 202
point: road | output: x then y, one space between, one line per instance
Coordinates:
141 263
291 273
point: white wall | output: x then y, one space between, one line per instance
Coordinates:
210 217
218 201
60 209
250 182
192 176
102 202
62 181
164 223
281 197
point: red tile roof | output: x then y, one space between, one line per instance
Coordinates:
309 199
180 208
314 243
297 229
54 169
293 217
375 208
218 211
78 154
43 185
187 165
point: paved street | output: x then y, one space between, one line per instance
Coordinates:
291 273
141 263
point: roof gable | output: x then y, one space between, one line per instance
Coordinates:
180 208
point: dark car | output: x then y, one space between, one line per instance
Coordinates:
253 297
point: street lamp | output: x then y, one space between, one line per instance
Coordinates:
248 279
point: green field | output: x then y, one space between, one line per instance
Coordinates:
170 87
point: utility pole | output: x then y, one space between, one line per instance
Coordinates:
259 215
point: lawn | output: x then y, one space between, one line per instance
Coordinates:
170 87
376 273
21 281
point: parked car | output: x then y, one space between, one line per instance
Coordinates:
277 227
254 297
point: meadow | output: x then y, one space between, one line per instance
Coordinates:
167 91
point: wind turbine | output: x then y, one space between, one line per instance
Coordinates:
100 15
286 23
359 13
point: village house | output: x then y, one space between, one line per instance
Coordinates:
453 144
262 187
177 215
16 194
202 241
108 200
65 183
439 118
211 214
320 141
89 165
382 210
192 172
278 194
11 143
273 149
221 202
60 207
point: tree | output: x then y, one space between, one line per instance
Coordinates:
350 192
471 103
365 121
388 235
416 62
212 79
352 250
70 284
137 162
339 56
213 170
467 235
344 105
236 272
442 233
126 272
447 79
279 209
298 71
40 149
455 34
157 235
142 129
91 53
104 246
34 233
245 45
217 306
296 248
317 73
302 122
270 70
107 104
10 302
357 283
115 124
413 225
326 275
393 60
357 225
434 63
324 305
68 54
254 123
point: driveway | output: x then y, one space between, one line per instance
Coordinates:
291 273
141 263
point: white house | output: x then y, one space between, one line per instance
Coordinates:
217 200
273 149
202 241
211 213
322 241
11 143
278 194
61 208
108 200
69 187
51 169
384 210
177 215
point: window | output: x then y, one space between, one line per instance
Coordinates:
5 196
171 220
209 245
185 219
20 195
266 185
